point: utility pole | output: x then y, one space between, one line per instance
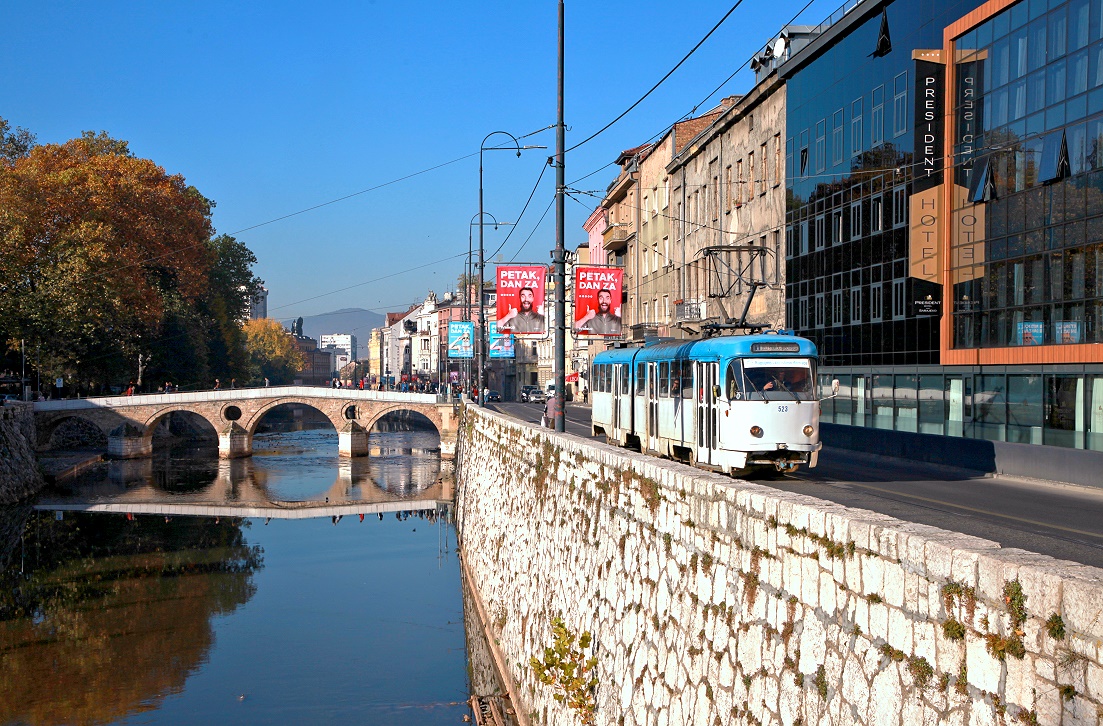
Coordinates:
559 273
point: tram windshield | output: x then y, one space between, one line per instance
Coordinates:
778 379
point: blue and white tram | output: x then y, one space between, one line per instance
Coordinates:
728 403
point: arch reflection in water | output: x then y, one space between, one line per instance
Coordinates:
404 462
290 467
104 617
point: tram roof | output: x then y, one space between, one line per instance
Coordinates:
723 346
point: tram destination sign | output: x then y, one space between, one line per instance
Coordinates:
775 347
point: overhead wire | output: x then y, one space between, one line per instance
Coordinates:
669 73
522 214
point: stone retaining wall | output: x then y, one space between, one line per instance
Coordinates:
19 474
717 601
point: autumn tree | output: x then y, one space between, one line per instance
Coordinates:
108 268
272 351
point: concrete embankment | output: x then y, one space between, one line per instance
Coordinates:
19 474
713 600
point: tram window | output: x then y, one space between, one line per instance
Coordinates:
733 384
676 379
687 379
641 378
664 379
766 378
600 379
608 379
625 374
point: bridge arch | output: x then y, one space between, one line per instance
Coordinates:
46 429
155 420
326 407
429 412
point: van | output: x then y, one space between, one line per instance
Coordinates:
550 392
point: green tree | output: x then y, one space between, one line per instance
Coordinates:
14 144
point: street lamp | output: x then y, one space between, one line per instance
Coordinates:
481 364
467 277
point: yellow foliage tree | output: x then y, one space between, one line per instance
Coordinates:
272 352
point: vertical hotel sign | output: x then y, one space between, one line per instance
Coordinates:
925 210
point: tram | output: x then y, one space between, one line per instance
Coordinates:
729 403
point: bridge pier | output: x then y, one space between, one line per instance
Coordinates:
234 442
352 440
128 441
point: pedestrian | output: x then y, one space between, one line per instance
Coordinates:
233 383
217 384
266 381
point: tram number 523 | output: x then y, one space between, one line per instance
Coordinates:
782 409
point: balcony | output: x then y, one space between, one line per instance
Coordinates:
616 237
688 311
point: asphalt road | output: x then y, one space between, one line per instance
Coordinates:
1059 520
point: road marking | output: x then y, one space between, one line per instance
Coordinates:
964 507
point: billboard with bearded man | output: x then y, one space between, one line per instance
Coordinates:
521 299
597 297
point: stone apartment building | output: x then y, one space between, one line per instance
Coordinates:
639 226
729 202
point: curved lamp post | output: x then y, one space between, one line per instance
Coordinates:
480 373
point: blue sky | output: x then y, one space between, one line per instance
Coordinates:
273 107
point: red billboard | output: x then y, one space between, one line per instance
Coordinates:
521 299
597 297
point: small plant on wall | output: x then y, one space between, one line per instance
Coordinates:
568 671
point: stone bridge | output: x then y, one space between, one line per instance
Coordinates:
128 422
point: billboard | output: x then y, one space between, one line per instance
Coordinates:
461 340
520 297
1030 333
500 345
597 298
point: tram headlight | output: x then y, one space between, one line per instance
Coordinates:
809 430
756 431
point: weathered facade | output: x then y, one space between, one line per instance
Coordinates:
729 187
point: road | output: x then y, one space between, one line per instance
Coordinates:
1059 520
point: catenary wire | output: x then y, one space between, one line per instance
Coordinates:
669 73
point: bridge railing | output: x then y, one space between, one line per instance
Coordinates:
237 394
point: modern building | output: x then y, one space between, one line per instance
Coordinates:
258 306
945 217
344 342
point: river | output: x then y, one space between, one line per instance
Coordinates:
315 590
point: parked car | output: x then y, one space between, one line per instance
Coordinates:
494 396
551 392
525 391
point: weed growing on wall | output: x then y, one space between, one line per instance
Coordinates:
567 670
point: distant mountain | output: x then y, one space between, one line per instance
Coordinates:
357 321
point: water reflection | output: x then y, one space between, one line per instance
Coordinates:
103 617
163 618
286 467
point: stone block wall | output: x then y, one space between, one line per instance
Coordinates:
19 473
717 601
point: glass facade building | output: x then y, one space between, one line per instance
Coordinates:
1029 169
944 222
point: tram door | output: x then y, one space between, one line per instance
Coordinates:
652 408
705 377
616 397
